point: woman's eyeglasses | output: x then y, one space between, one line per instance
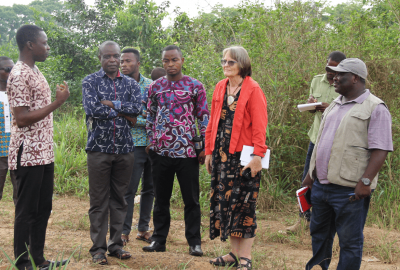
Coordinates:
6 69
230 63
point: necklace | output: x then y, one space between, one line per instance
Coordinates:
231 97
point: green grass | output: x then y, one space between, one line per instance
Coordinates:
70 157
54 267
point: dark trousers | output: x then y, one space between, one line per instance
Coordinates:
187 172
32 211
334 212
307 214
3 176
109 176
141 169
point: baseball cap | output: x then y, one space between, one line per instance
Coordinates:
353 65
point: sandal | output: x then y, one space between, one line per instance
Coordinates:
247 265
221 262
100 258
120 254
125 239
142 237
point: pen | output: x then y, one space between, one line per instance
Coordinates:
352 194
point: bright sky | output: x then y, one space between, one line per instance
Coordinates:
191 7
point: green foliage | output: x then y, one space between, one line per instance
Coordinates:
13 17
70 157
9 50
139 25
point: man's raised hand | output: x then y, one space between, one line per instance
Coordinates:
62 92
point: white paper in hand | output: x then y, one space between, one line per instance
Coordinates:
246 157
308 106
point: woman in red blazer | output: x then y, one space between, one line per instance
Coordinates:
238 117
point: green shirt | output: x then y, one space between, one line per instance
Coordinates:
323 92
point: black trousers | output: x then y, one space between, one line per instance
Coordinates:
187 172
32 211
141 169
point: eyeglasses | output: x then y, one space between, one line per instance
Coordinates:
230 63
6 69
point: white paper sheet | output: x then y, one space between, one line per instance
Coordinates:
308 106
7 120
245 157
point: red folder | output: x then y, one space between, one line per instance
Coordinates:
301 199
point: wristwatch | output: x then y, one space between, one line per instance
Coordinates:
366 181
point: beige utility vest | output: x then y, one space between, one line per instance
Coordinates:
349 154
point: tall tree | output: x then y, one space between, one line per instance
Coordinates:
13 17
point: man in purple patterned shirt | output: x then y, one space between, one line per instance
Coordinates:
174 104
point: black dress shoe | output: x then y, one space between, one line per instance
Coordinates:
154 246
195 250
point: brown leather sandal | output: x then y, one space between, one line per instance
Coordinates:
142 237
120 254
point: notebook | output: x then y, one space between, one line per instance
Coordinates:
304 198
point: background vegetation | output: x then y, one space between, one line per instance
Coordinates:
288 45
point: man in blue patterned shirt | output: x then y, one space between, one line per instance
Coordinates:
111 102
6 64
130 63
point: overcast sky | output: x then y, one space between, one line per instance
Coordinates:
189 6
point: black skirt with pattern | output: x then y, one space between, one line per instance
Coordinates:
233 198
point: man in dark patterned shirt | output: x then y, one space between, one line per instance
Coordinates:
111 102
174 104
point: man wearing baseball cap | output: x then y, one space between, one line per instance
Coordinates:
353 140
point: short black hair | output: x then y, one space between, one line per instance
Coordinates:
25 33
4 58
105 43
158 73
134 51
337 56
171 48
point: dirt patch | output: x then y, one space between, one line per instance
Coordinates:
68 231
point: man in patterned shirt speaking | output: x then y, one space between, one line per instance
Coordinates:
111 102
31 155
174 104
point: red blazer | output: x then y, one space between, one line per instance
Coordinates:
250 121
